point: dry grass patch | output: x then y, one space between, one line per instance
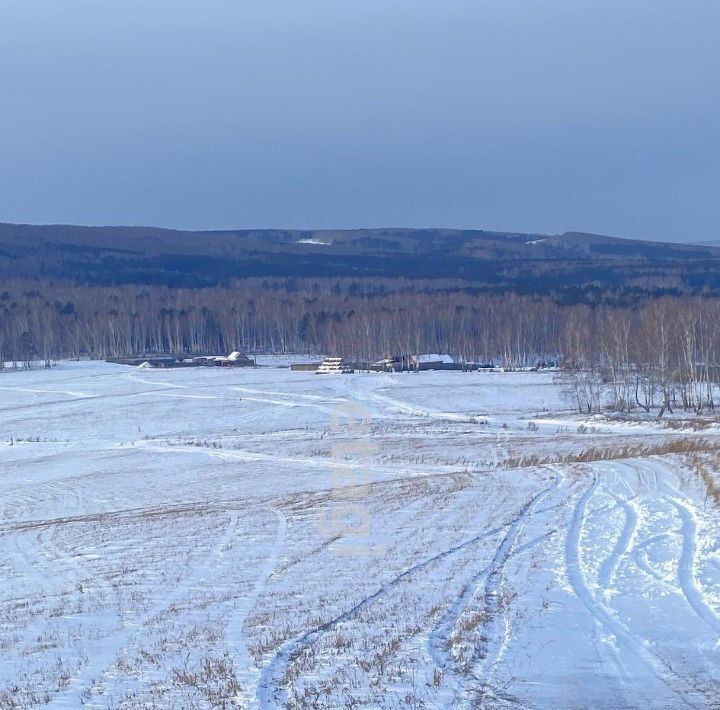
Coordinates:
684 445
710 481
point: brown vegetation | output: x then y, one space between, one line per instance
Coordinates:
684 445
710 480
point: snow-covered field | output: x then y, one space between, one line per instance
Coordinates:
265 538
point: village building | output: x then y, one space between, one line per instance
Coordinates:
235 359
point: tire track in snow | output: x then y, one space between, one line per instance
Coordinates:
691 589
69 393
371 395
248 673
78 399
243 455
272 694
437 642
640 558
687 583
622 546
74 695
250 390
496 611
659 537
597 610
535 541
609 567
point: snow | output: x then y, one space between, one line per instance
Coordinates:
256 537
435 358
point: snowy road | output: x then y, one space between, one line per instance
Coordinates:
261 538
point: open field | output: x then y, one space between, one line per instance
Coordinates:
260 538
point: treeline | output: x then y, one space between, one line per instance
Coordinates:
363 321
659 354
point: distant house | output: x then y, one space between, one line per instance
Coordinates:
203 360
388 364
432 362
414 363
235 359
396 363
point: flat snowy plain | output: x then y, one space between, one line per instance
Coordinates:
264 538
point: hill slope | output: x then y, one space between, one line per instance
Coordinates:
526 263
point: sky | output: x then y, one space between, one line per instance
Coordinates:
522 115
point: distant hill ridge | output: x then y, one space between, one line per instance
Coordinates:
485 260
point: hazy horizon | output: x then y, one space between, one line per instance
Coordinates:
501 115
280 228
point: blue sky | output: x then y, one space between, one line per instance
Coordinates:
524 115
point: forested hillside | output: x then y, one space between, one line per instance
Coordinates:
570 267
